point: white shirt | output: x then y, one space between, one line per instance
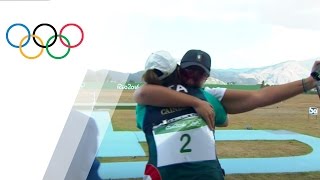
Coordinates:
216 92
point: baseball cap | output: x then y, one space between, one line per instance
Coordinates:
198 58
163 62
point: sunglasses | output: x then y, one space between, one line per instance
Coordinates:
195 73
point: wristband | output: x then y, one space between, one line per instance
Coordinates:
303 86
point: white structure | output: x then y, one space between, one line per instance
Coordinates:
78 145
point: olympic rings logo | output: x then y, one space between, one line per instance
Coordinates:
48 44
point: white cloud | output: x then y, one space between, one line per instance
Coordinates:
193 9
288 13
283 44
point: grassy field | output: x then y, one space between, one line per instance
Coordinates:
291 115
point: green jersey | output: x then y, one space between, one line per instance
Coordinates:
181 146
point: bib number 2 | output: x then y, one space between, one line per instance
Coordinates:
184 148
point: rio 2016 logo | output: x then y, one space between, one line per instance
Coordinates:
37 39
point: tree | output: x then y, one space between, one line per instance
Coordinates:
262 84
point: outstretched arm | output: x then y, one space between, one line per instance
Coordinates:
236 101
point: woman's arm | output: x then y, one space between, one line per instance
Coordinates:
238 101
164 97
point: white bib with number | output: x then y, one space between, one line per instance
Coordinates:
186 140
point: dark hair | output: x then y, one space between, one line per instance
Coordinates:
151 77
173 78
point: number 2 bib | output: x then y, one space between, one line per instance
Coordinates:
183 139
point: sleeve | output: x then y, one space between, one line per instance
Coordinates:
221 115
140 112
216 92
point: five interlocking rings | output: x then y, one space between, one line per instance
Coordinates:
47 45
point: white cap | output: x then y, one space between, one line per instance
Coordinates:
162 61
